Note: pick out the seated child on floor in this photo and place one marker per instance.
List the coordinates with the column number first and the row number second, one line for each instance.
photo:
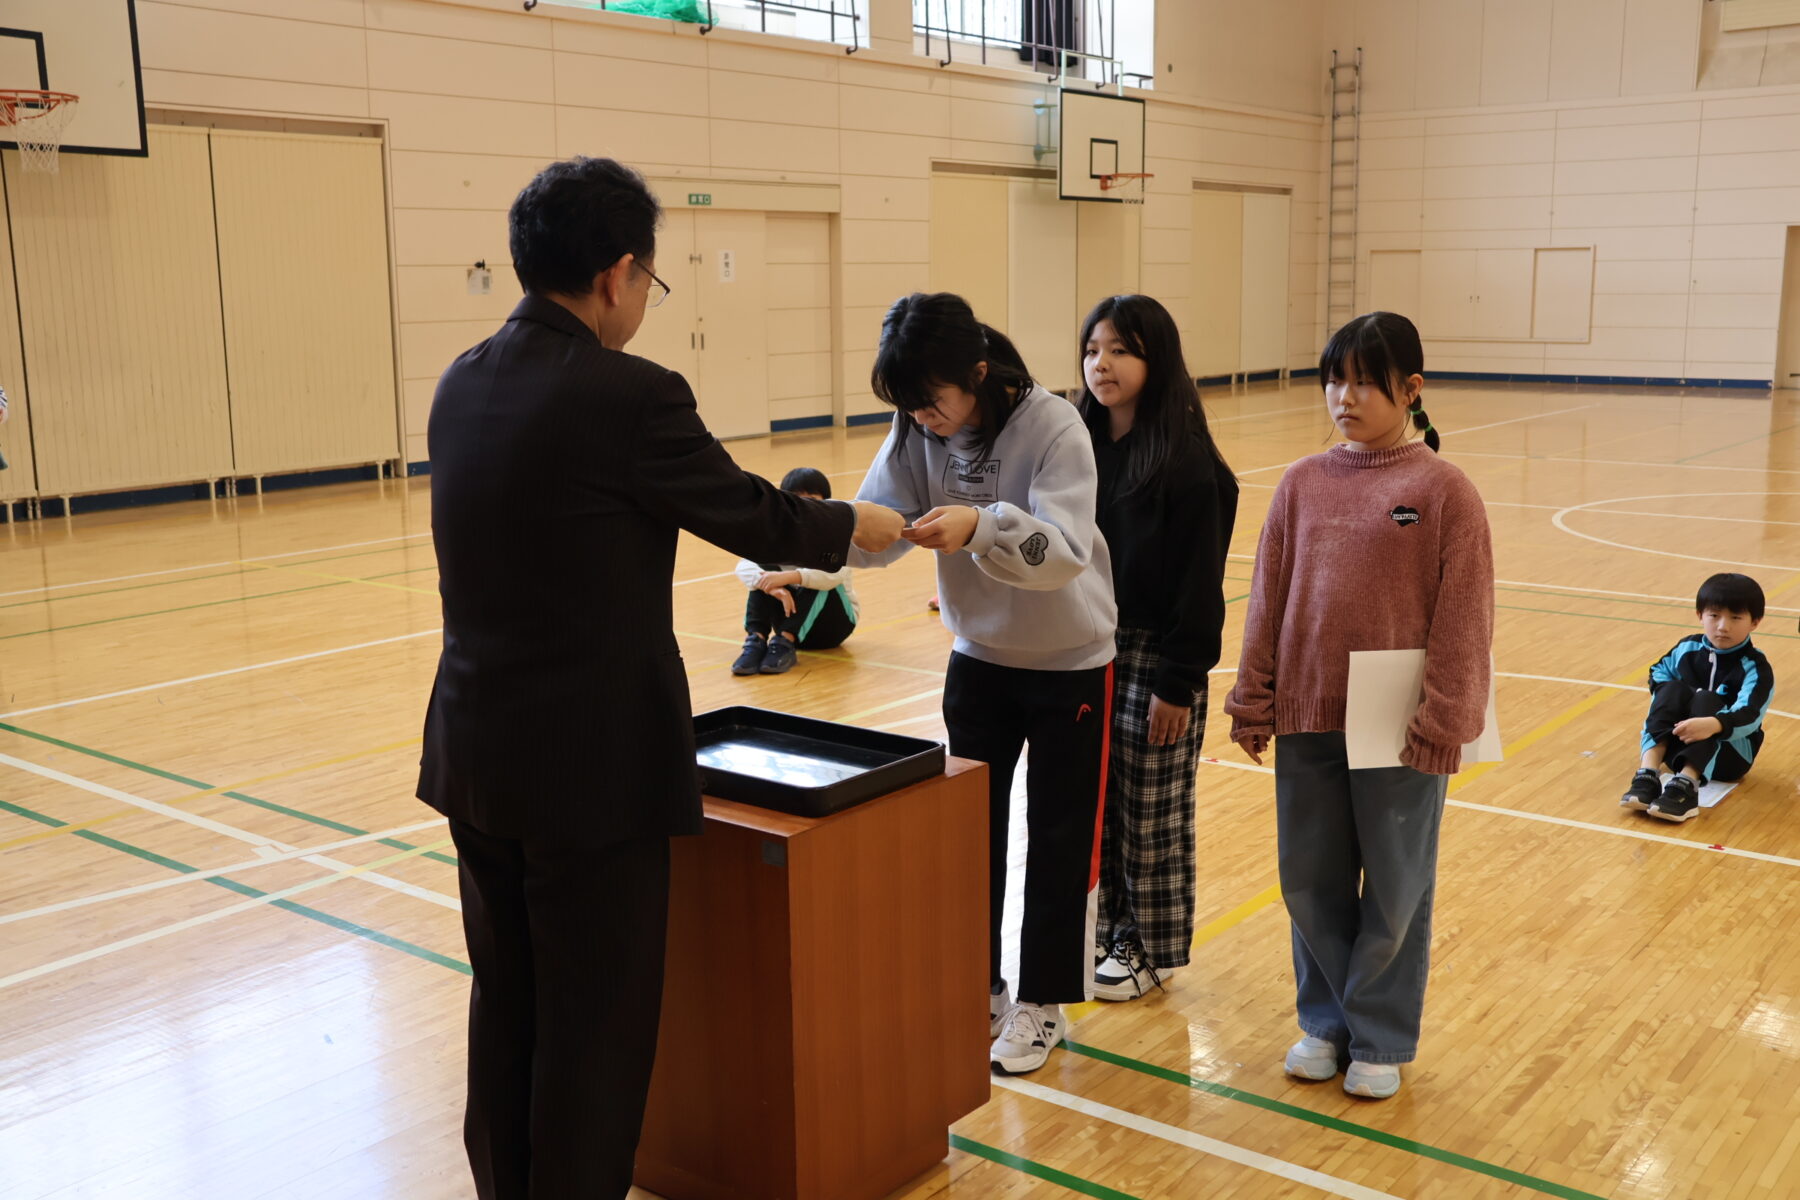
column 792, row 608
column 1708, row 697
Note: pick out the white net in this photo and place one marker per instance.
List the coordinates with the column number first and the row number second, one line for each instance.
column 36, row 122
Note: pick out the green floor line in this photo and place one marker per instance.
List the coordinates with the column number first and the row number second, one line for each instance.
column 1690, row 626
column 1734, row 445
column 1337, row 1124
column 311, row 587
column 242, row 797
column 1074, row 1183
column 240, row 573
column 244, row 889
column 163, row 612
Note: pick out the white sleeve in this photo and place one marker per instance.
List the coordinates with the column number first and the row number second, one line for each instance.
column 748, row 571
column 823, row 581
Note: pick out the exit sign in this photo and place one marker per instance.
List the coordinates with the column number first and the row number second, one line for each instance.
column 700, row 198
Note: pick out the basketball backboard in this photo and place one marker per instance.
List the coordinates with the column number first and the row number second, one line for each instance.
column 1099, row 135
column 88, row 47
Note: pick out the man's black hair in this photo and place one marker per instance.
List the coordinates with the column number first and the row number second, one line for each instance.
column 577, row 218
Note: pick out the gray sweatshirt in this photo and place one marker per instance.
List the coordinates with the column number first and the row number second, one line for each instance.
column 1033, row 588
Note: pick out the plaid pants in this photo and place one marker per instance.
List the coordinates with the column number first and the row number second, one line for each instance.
column 1147, row 837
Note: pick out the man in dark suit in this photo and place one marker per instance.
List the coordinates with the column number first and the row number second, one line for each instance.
column 558, row 738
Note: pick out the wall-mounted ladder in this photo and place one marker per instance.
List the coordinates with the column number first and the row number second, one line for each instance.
column 1340, row 196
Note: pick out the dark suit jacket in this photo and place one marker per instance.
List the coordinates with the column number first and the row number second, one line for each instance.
column 561, row 472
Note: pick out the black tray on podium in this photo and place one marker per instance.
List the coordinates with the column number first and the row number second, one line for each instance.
column 800, row 765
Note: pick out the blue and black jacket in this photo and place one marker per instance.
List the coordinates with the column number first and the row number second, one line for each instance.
column 1741, row 677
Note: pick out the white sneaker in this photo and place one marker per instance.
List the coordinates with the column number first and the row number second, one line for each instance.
column 999, row 1005
column 1312, row 1058
column 1373, row 1081
column 1125, row 975
column 1032, row 1031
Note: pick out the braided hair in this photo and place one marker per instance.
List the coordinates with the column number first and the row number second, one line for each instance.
column 1385, row 347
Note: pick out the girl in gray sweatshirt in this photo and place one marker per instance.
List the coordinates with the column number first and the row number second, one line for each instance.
column 997, row 474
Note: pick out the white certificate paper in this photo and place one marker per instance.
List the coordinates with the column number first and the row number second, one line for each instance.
column 1386, row 687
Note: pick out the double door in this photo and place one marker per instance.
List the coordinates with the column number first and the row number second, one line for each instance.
column 713, row 328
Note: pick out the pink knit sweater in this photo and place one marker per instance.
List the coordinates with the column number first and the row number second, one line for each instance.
column 1370, row 550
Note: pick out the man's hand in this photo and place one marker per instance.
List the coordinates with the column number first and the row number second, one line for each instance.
column 877, row 527
column 1255, row 745
column 1698, row 729
column 1167, row 722
column 947, row 528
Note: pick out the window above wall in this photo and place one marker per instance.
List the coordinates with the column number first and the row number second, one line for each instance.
column 1105, row 41
column 843, row 22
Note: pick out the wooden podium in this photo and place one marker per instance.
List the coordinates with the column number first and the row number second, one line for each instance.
column 824, row 1019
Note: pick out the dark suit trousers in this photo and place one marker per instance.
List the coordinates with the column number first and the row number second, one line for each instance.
column 567, row 945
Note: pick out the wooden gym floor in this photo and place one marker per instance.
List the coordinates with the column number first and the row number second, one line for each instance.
column 231, row 964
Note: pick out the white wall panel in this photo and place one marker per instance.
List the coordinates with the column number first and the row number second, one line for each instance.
column 308, row 326
column 1562, row 294
column 20, row 477
column 1662, row 47
column 1586, row 42
column 1041, row 315
column 1263, row 335
column 1515, row 52
column 119, row 282
column 1449, row 55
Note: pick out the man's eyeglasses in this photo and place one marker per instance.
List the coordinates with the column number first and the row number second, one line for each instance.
column 659, row 291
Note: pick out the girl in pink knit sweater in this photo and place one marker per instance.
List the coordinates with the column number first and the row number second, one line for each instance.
column 1376, row 544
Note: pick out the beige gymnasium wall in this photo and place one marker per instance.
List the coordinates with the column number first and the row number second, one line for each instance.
column 1633, row 126
column 477, row 94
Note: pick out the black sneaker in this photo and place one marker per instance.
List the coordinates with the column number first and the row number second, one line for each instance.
column 779, row 657
column 1680, row 800
column 1645, row 790
column 751, row 660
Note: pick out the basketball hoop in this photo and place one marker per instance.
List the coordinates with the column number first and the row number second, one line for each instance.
column 37, row 120
column 1118, row 179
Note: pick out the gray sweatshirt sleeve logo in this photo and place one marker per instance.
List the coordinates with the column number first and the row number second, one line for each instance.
column 1032, row 549
column 974, row 482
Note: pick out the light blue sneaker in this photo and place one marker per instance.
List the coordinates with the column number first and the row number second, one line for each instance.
column 1372, row 1081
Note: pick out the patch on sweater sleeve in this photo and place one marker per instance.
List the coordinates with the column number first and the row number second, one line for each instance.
column 1032, row 549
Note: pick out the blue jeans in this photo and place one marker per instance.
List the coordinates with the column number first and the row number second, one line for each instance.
column 1358, row 856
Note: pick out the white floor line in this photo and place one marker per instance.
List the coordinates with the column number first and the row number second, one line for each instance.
column 1563, row 587
column 1450, row 433
column 1274, row 412
column 1640, row 464
column 1566, row 822
column 1559, row 519
column 167, row 683
column 938, row 715
column 163, row 931
column 703, row 578
column 1566, row 587
column 56, row 587
column 235, row 868
column 222, row 829
column 881, row 708
column 1280, row 1168
column 1557, row 412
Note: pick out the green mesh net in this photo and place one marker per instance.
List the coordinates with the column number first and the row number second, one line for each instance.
column 691, row 11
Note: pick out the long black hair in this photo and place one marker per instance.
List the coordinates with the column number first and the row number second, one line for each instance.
column 1169, row 413
column 1385, row 348
column 933, row 340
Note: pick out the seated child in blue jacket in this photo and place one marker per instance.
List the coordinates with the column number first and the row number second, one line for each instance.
column 1708, row 697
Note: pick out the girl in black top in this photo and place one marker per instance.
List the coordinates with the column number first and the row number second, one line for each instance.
column 1167, row 503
